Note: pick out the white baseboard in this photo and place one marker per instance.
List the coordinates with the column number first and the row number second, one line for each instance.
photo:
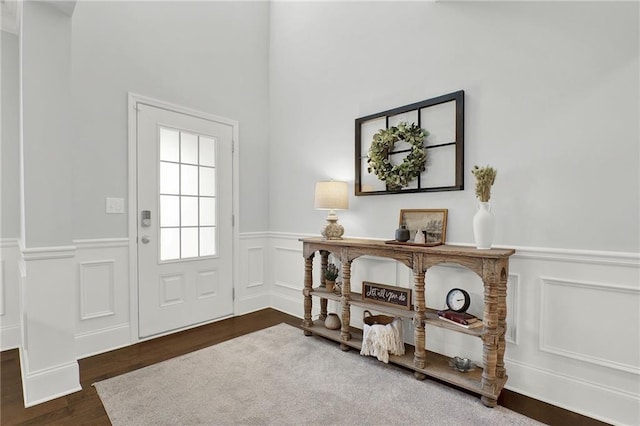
column 10, row 337
column 51, row 383
column 247, row 304
column 104, row 340
column 288, row 305
column 570, row 393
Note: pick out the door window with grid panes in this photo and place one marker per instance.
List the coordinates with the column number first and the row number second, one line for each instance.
column 187, row 195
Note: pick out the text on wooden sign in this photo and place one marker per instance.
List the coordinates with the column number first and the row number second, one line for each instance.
column 386, row 295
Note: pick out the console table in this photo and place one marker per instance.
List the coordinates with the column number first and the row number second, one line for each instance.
column 491, row 265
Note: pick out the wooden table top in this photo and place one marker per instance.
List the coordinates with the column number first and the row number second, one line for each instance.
column 445, row 249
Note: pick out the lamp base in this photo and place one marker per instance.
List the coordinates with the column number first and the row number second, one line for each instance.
column 332, row 231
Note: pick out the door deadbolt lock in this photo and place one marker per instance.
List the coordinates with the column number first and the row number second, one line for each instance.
column 145, row 239
column 146, row 218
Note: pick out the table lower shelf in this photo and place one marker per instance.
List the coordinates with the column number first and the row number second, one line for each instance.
column 437, row 365
column 431, row 315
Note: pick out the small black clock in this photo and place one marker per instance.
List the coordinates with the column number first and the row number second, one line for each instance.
column 458, row 300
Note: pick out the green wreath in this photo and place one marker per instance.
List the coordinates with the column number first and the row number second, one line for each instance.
column 399, row 176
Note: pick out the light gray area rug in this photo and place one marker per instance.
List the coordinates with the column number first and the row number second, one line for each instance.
column 278, row 376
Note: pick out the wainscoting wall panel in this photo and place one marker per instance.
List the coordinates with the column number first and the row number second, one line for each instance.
column 513, row 302
column 10, row 331
column 288, row 281
column 563, row 344
column 563, row 347
column 255, row 258
column 285, row 277
column 253, row 289
column 102, row 322
column 287, row 274
column 582, row 339
column 96, row 289
column 2, row 288
column 49, row 295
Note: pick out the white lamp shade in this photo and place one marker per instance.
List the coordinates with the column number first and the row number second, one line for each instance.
column 331, row 195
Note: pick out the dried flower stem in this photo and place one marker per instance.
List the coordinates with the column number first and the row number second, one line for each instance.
column 485, row 177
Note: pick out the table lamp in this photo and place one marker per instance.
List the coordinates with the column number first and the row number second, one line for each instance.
column 332, row 195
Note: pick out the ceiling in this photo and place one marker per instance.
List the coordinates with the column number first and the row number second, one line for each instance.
column 10, row 11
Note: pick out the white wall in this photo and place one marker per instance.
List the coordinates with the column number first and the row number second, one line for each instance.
column 208, row 56
column 551, row 102
column 46, row 138
column 9, row 190
column 10, row 145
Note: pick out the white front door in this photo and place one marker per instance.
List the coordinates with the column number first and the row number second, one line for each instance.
column 184, row 207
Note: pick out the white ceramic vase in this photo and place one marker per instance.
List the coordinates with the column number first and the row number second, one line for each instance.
column 483, row 225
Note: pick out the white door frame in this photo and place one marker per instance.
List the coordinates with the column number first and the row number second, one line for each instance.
column 134, row 99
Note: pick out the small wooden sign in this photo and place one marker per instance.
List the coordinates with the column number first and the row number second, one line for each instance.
column 397, row 297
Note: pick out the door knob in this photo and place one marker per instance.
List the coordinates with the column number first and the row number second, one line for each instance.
column 145, row 239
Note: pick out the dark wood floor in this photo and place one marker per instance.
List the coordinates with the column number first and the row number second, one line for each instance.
column 85, row 408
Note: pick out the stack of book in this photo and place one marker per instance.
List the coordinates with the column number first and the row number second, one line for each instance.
column 462, row 319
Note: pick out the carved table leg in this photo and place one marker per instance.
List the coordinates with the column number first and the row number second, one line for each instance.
column 489, row 402
column 491, row 334
column 323, row 309
column 420, row 356
column 501, row 372
column 324, row 261
column 308, row 288
column 345, row 333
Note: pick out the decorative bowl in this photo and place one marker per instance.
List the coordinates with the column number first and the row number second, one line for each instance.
column 462, row 364
column 332, row 322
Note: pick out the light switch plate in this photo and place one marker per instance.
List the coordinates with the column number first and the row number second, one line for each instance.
column 115, row 205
